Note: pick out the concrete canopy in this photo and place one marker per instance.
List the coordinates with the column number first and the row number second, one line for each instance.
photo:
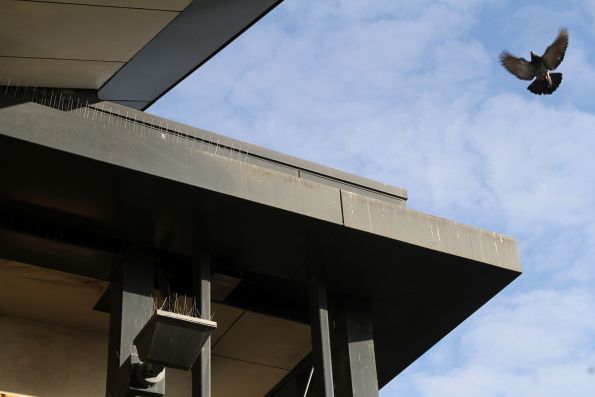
column 171, row 190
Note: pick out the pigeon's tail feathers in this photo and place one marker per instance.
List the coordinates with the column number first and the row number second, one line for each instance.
column 556, row 80
column 541, row 86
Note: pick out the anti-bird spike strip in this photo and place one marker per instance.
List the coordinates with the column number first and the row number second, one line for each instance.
column 103, row 114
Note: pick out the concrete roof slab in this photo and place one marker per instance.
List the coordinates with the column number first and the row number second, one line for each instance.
column 151, row 186
column 77, row 32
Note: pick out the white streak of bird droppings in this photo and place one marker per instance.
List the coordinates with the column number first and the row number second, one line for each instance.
column 369, row 214
column 481, row 245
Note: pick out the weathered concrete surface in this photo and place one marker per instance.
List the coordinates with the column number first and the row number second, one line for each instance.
column 158, row 154
column 413, row 227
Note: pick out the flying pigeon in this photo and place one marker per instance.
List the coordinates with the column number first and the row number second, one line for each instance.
column 540, row 66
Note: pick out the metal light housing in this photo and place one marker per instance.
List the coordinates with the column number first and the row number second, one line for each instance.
column 173, row 340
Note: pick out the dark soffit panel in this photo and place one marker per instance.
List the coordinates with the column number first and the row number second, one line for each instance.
column 191, row 39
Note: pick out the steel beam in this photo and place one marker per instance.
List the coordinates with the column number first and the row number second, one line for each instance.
column 322, row 382
column 201, row 285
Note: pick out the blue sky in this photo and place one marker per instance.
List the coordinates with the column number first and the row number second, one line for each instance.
column 411, row 93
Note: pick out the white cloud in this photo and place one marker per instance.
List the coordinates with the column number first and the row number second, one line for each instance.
column 567, row 379
column 537, row 159
column 535, row 329
column 531, row 345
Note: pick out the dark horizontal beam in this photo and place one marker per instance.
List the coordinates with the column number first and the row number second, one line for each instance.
column 58, row 255
column 199, row 32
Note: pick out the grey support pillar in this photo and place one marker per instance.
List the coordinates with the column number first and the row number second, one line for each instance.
column 131, row 305
column 201, row 285
column 353, row 348
column 322, row 379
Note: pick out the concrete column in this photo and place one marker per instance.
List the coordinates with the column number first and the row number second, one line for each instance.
column 353, row 349
column 131, row 305
column 322, row 379
column 201, row 285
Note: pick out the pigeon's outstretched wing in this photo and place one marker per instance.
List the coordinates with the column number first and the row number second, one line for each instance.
column 554, row 54
column 520, row 67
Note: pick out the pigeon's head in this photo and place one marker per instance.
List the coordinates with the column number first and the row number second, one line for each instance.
column 534, row 55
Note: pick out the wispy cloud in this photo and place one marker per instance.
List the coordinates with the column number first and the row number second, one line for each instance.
column 530, row 345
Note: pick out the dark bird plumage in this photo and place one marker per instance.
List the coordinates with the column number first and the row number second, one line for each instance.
column 539, row 67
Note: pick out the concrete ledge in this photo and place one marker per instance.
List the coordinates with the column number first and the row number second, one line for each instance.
column 266, row 157
column 399, row 223
column 217, row 168
column 162, row 155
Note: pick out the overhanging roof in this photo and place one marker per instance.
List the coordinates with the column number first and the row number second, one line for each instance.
column 132, row 51
column 156, row 184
